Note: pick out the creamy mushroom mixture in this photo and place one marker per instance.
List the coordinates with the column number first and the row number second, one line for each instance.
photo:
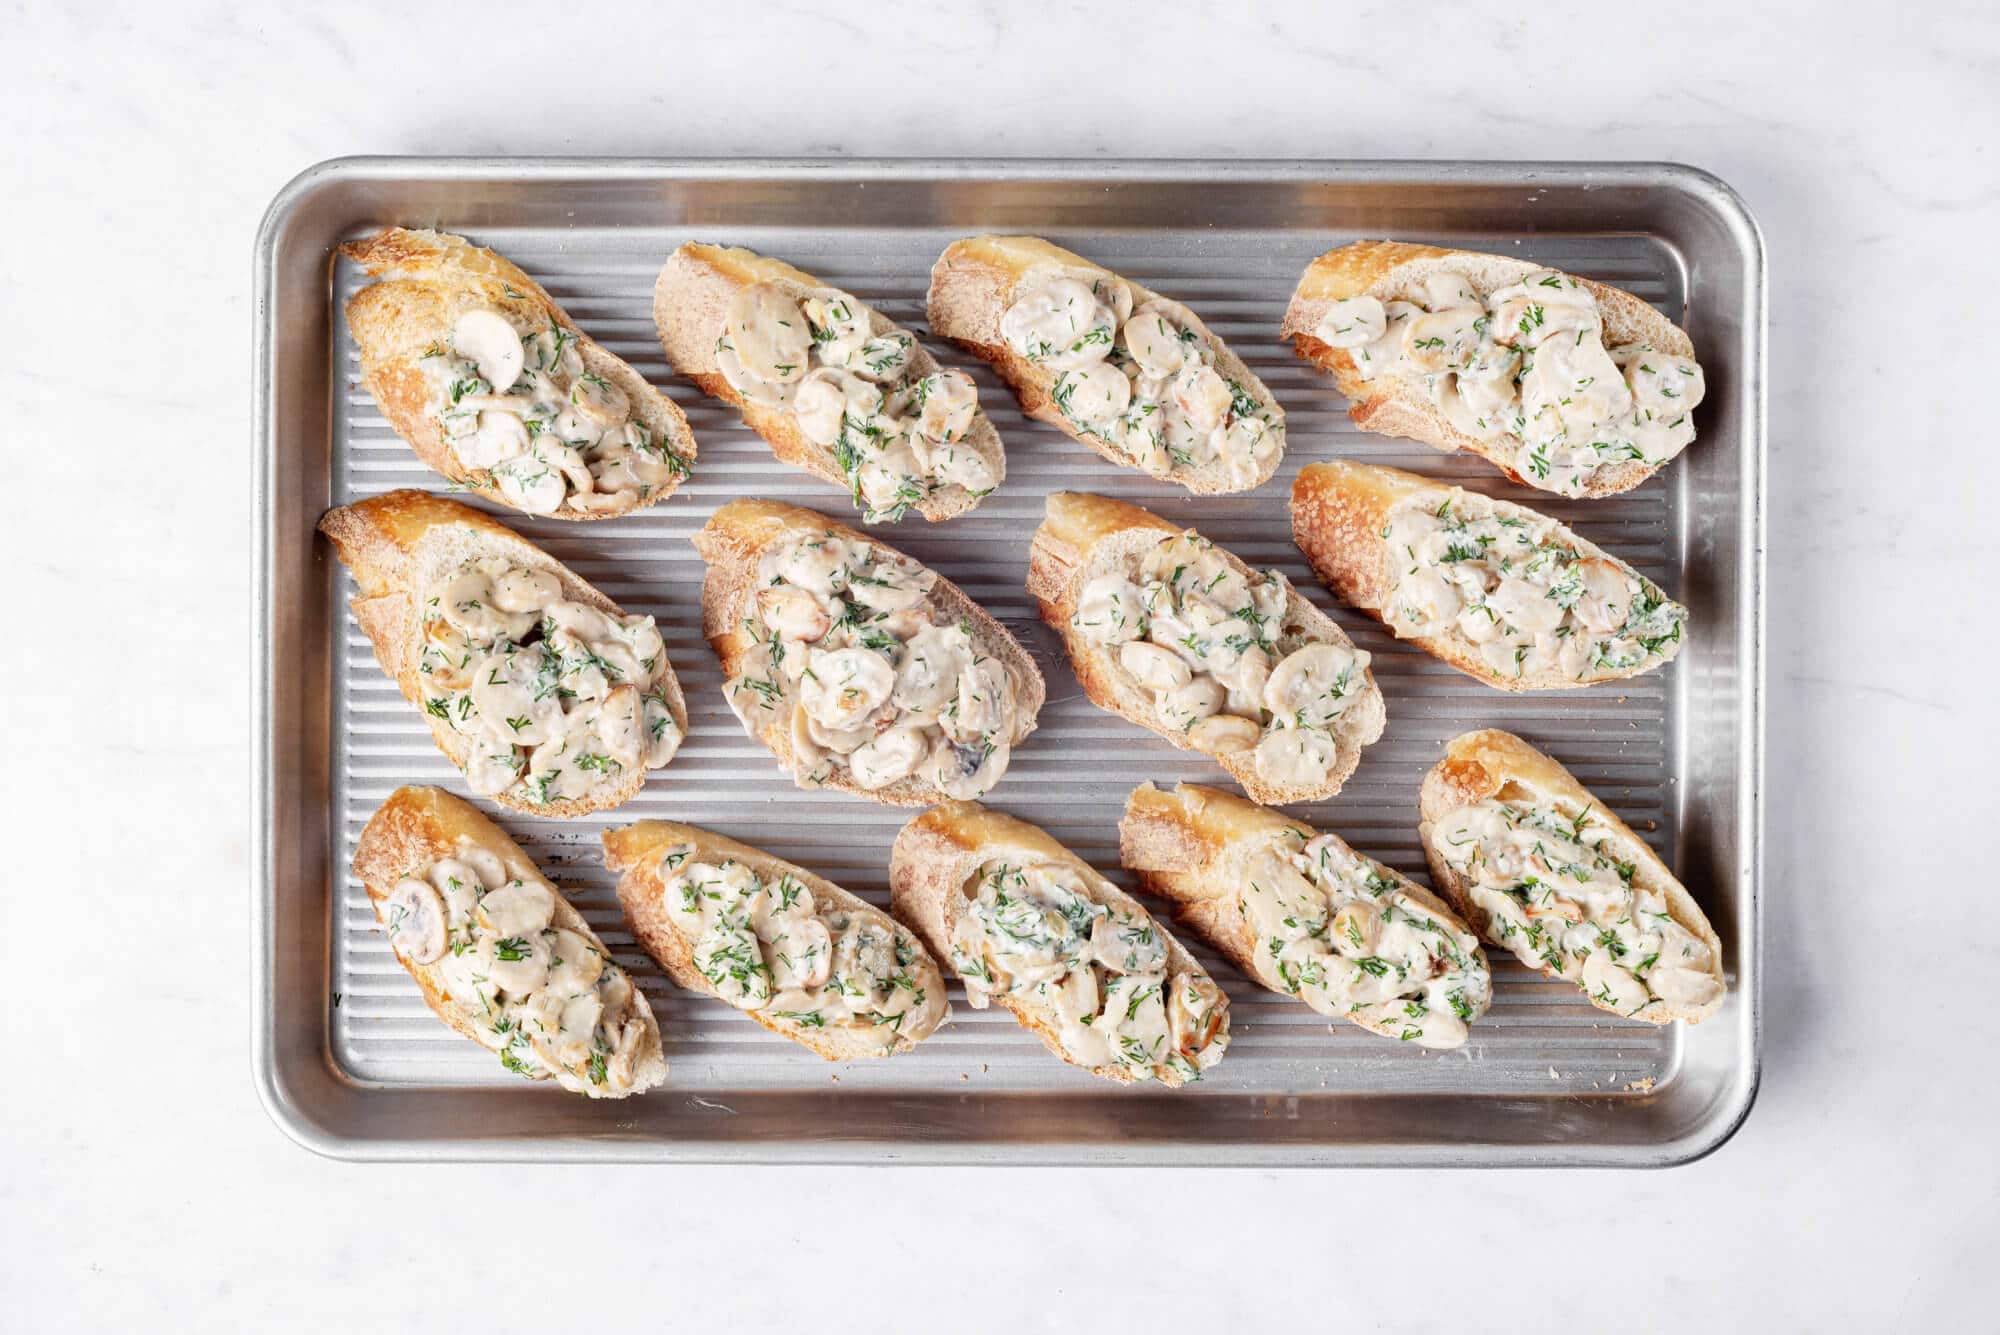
column 1526, row 363
column 518, row 407
column 1561, row 900
column 774, row 949
column 851, row 382
column 548, row 1000
column 868, row 675
column 1101, row 970
column 1144, row 380
column 1336, row 933
column 555, row 699
column 1221, row 659
column 1507, row 580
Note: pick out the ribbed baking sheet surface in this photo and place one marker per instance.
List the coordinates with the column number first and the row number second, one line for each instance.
column 1073, row 774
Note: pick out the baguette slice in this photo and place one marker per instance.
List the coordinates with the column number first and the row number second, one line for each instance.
column 1494, row 765
column 428, row 280
column 691, row 299
column 1340, row 513
column 933, row 866
column 638, row 851
column 1395, row 406
column 733, row 542
column 398, row 546
column 977, row 279
column 1084, row 536
column 1200, row 848
column 405, row 838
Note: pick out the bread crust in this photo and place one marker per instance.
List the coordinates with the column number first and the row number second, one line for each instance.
column 1339, row 511
column 635, row 851
column 972, row 285
column 938, row 852
column 1392, row 406
column 1082, row 536
column 427, row 280
column 1493, row 764
column 1193, row 846
column 690, row 300
column 732, row 543
column 417, row 826
column 397, row 545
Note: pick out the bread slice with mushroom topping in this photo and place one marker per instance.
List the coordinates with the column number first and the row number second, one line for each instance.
column 1028, row 925
column 1184, row 639
column 1539, row 866
column 1499, row 591
column 801, row 956
column 494, row 386
column 859, row 668
column 831, row 383
column 1306, row 915
column 548, row 698
column 501, row 956
column 1132, row 374
column 1564, row 384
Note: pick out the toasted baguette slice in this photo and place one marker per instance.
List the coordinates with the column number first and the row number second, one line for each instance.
column 976, row 280
column 640, row 852
column 1205, row 850
column 734, row 541
column 440, row 943
column 398, row 546
column 1082, row 537
column 690, row 302
column 934, row 870
column 1396, row 406
column 1340, row 519
column 1498, row 766
column 429, row 279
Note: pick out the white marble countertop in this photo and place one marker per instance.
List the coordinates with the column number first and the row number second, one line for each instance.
column 154, row 1194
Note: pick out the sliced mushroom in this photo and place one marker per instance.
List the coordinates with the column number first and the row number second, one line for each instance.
column 1606, row 602
column 492, row 768
column 827, row 397
column 1153, row 666
column 804, row 953
column 520, row 962
column 733, row 963
column 519, row 908
column 883, row 359
column 414, row 915
column 1314, row 685
column 517, row 589
column 485, row 338
column 983, row 702
column 1203, row 396
column 840, row 325
column 950, row 402
column 1193, row 702
column 599, row 401
column 620, row 727
column 1060, row 323
column 792, row 612
column 1611, row 984
column 1153, row 339
column 1295, row 757
column 1444, row 340
column 528, row 483
column 1098, row 392
column 1224, row 734
column 885, row 759
column 1352, row 322
column 1356, row 927
column 768, row 333
column 498, row 438
column 1528, row 607
column 966, row 771
column 1196, row 1011
column 844, row 686
column 576, row 965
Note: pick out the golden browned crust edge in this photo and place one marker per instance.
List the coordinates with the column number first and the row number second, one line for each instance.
column 1490, row 763
column 425, row 276
column 413, row 829
column 733, row 541
column 387, row 542
column 633, row 850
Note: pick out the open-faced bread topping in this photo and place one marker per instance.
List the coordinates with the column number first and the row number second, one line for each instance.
column 550, row 1001
column 1560, row 899
column 1143, row 379
column 1221, row 659
column 773, row 947
column 1507, row 579
column 516, row 403
column 1525, row 363
column 556, row 699
column 869, row 674
column 1101, row 970
column 852, row 384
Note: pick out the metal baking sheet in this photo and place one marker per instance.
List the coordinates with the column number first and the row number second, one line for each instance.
column 351, row 1063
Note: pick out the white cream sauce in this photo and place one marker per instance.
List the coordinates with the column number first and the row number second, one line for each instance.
column 1508, row 581
column 1143, row 381
column 550, row 1001
column 897, row 435
column 1527, row 364
column 1213, row 648
column 1335, row 931
column 1100, row 970
column 868, row 675
column 555, row 699
column 1560, row 900
column 773, row 948
column 517, row 407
